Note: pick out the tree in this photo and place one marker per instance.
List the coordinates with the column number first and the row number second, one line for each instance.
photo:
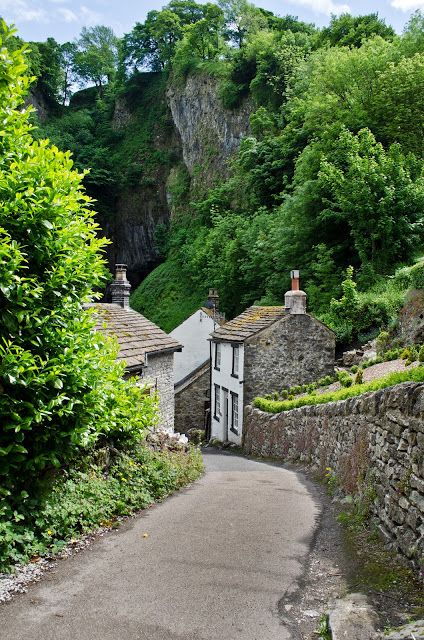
column 68, row 52
column 61, row 391
column 241, row 18
column 351, row 31
column 47, row 66
column 96, row 57
column 379, row 194
column 151, row 44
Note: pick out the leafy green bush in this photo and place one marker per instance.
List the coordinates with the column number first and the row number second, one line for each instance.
column 61, row 389
column 89, row 496
column 344, row 378
column 412, row 375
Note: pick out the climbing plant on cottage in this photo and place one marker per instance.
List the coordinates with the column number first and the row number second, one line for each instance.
column 61, row 390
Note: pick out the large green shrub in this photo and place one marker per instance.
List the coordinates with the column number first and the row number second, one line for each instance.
column 60, row 388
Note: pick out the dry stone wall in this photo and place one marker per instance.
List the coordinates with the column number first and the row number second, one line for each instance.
column 376, row 439
column 190, row 401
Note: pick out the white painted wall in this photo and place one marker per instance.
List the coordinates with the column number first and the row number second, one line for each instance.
column 193, row 333
column 225, row 380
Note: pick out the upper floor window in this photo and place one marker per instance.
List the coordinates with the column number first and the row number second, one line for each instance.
column 217, row 355
column 236, row 352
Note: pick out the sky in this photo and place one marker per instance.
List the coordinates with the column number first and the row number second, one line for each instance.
column 64, row 19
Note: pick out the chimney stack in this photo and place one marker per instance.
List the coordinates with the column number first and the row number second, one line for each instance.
column 213, row 299
column 295, row 280
column 295, row 300
column 120, row 287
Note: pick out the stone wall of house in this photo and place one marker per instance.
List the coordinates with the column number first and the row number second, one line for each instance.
column 190, row 401
column 378, row 436
column 160, row 375
column 295, row 350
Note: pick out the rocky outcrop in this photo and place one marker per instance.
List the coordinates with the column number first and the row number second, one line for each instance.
column 377, row 436
column 411, row 318
column 209, row 133
column 36, row 99
column 140, row 207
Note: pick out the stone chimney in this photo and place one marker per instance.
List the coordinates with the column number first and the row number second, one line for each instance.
column 295, row 300
column 120, row 287
column 213, row 299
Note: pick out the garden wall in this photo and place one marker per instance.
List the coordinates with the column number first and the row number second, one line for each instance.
column 375, row 439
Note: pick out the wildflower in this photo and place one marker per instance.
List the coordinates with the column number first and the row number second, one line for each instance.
column 49, row 532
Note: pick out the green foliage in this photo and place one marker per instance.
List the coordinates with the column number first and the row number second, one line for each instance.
column 330, row 177
column 89, row 496
column 273, row 406
column 421, row 354
column 350, row 31
column 359, row 377
column 324, row 631
column 344, row 378
column 382, row 342
column 379, row 194
column 61, row 390
column 166, row 297
column 96, row 55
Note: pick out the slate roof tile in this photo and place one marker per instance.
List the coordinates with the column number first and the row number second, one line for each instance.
column 135, row 334
column 248, row 323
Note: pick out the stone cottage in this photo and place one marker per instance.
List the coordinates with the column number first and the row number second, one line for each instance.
column 148, row 352
column 262, row 350
column 192, row 365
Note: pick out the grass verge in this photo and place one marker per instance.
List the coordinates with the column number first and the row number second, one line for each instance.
column 277, row 406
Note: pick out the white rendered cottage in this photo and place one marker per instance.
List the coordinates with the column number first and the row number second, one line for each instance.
column 146, row 350
column 192, row 364
column 265, row 349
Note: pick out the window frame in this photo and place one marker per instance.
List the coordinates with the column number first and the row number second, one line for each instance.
column 234, row 372
column 217, row 402
column 217, row 364
column 235, row 404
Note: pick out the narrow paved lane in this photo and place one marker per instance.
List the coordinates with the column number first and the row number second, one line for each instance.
column 218, row 559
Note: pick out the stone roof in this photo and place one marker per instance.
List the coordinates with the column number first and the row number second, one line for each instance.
column 135, row 334
column 248, row 323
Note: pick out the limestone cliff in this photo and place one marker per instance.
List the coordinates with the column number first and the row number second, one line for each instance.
column 192, row 128
column 161, row 146
column 143, row 204
column 209, row 133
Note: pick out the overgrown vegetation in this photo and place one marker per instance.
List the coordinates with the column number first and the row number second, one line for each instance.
column 348, row 391
column 330, row 177
column 62, row 394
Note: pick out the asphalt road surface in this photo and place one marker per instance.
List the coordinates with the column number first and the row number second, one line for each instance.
column 219, row 560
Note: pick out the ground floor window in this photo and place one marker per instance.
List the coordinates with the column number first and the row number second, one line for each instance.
column 234, row 412
column 217, row 402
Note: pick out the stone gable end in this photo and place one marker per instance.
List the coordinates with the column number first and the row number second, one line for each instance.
column 297, row 349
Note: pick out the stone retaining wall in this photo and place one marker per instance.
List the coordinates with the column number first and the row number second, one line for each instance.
column 378, row 436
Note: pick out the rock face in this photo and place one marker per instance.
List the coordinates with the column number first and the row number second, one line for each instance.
column 378, row 435
column 209, row 133
column 132, row 229
column 139, row 208
column 411, row 318
column 36, row 99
